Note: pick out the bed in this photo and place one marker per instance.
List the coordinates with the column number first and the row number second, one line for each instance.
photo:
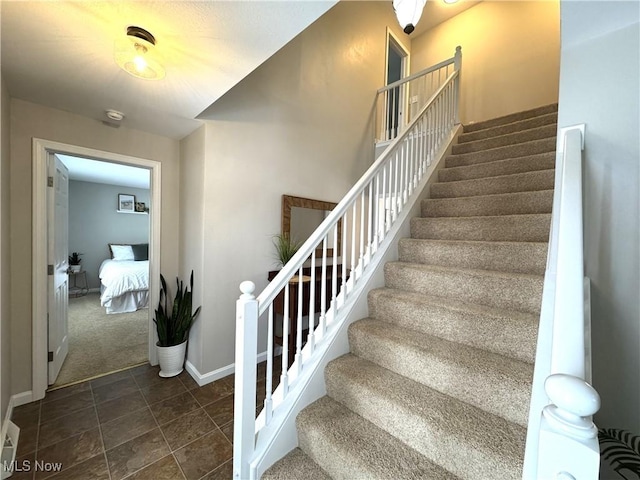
column 124, row 278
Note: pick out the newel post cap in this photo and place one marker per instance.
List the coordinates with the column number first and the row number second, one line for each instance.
column 572, row 394
column 573, row 401
column 247, row 288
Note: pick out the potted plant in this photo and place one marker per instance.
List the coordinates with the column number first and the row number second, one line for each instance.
column 285, row 248
column 173, row 325
column 74, row 262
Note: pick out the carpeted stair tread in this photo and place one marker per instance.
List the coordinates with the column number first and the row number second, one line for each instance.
column 296, row 464
column 438, row 381
column 465, row 440
column 541, row 161
column 491, row 382
column 513, row 138
column 505, row 332
column 517, row 291
column 349, row 447
column 511, row 118
column 514, row 257
column 516, row 182
column 515, row 228
column 532, row 147
column 485, row 205
column 508, row 128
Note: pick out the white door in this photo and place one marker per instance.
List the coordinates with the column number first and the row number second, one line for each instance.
column 58, row 263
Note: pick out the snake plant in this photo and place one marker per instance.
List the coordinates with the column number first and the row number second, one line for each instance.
column 173, row 324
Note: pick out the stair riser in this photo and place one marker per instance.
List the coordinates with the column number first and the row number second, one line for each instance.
column 419, row 423
column 495, row 390
column 511, row 257
column 539, row 133
column 513, row 228
column 530, row 123
column 544, row 161
column 517, row 292
column 332, row 458
column 504, row 204
column 512, row 151
column 522, row 182
column 473, row 326
column 295, row 465
column 514, row 117
column 347, row 446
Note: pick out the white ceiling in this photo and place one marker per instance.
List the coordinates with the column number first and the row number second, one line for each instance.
column 60, row 54
column 86, row 170
column 437, row 11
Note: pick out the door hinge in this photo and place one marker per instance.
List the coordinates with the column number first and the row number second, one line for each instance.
column 49, row 181
column 50, row 269
column 50, row 357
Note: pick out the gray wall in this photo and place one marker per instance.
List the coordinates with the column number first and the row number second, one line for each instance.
column 300, row 124
column 29, row 120
column 94, row 223
column 5, row 280
column 599, row 85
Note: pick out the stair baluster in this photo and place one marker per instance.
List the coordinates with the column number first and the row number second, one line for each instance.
column 392, row 181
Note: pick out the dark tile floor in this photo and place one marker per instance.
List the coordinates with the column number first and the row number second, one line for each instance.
column 131, row 424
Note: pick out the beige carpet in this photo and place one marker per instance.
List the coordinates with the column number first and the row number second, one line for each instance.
column 101, row 343
column 437, row 382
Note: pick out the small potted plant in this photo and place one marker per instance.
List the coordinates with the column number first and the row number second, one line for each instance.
column 74, row 262
column 285, row 248
column 173, row 325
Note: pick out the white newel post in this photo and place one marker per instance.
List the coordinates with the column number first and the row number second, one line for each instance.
column 245, row 380
column 457, row 65
column 568, row 437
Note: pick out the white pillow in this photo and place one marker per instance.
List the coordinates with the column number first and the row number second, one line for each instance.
column 122, row 252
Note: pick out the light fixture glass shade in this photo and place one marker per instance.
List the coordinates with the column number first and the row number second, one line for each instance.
column 408, row 13
column 138, row 57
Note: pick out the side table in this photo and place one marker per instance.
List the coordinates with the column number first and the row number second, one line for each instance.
column 79, row 286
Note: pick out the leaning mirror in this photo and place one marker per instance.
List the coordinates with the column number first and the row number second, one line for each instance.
column 301, row 216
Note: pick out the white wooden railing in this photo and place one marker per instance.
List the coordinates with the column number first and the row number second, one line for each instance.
column 330, row 266
column 562, row 440
column 398, row 103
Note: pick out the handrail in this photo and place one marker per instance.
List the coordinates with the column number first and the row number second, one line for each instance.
column 561, row 437
column 398, row 103
column 421, row 73
column 366, row 215
column 309, row 246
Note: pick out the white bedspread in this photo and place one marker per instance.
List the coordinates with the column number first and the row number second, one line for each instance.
column 121, row 277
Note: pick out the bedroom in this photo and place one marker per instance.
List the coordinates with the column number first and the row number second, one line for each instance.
column 108, row 311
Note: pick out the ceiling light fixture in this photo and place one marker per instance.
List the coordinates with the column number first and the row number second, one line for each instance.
column 137, row 54
column 408, row 13
column 450, row 1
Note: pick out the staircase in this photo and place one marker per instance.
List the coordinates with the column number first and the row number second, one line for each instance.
column 438, row 380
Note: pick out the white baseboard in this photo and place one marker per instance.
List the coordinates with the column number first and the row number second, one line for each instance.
column 14, row 401
column 209, row 377
column 22, row 398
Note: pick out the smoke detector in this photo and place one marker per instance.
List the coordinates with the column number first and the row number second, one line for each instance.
column 114, row 115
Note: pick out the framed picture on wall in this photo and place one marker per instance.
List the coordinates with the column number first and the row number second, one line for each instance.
column 126, row 203
column 141, row 207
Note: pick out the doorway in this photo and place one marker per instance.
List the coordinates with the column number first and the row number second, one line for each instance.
column 108, row 301
column 397, row 67
column 43, row 150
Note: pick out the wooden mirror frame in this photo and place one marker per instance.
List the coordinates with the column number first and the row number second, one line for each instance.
column 289, row 201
